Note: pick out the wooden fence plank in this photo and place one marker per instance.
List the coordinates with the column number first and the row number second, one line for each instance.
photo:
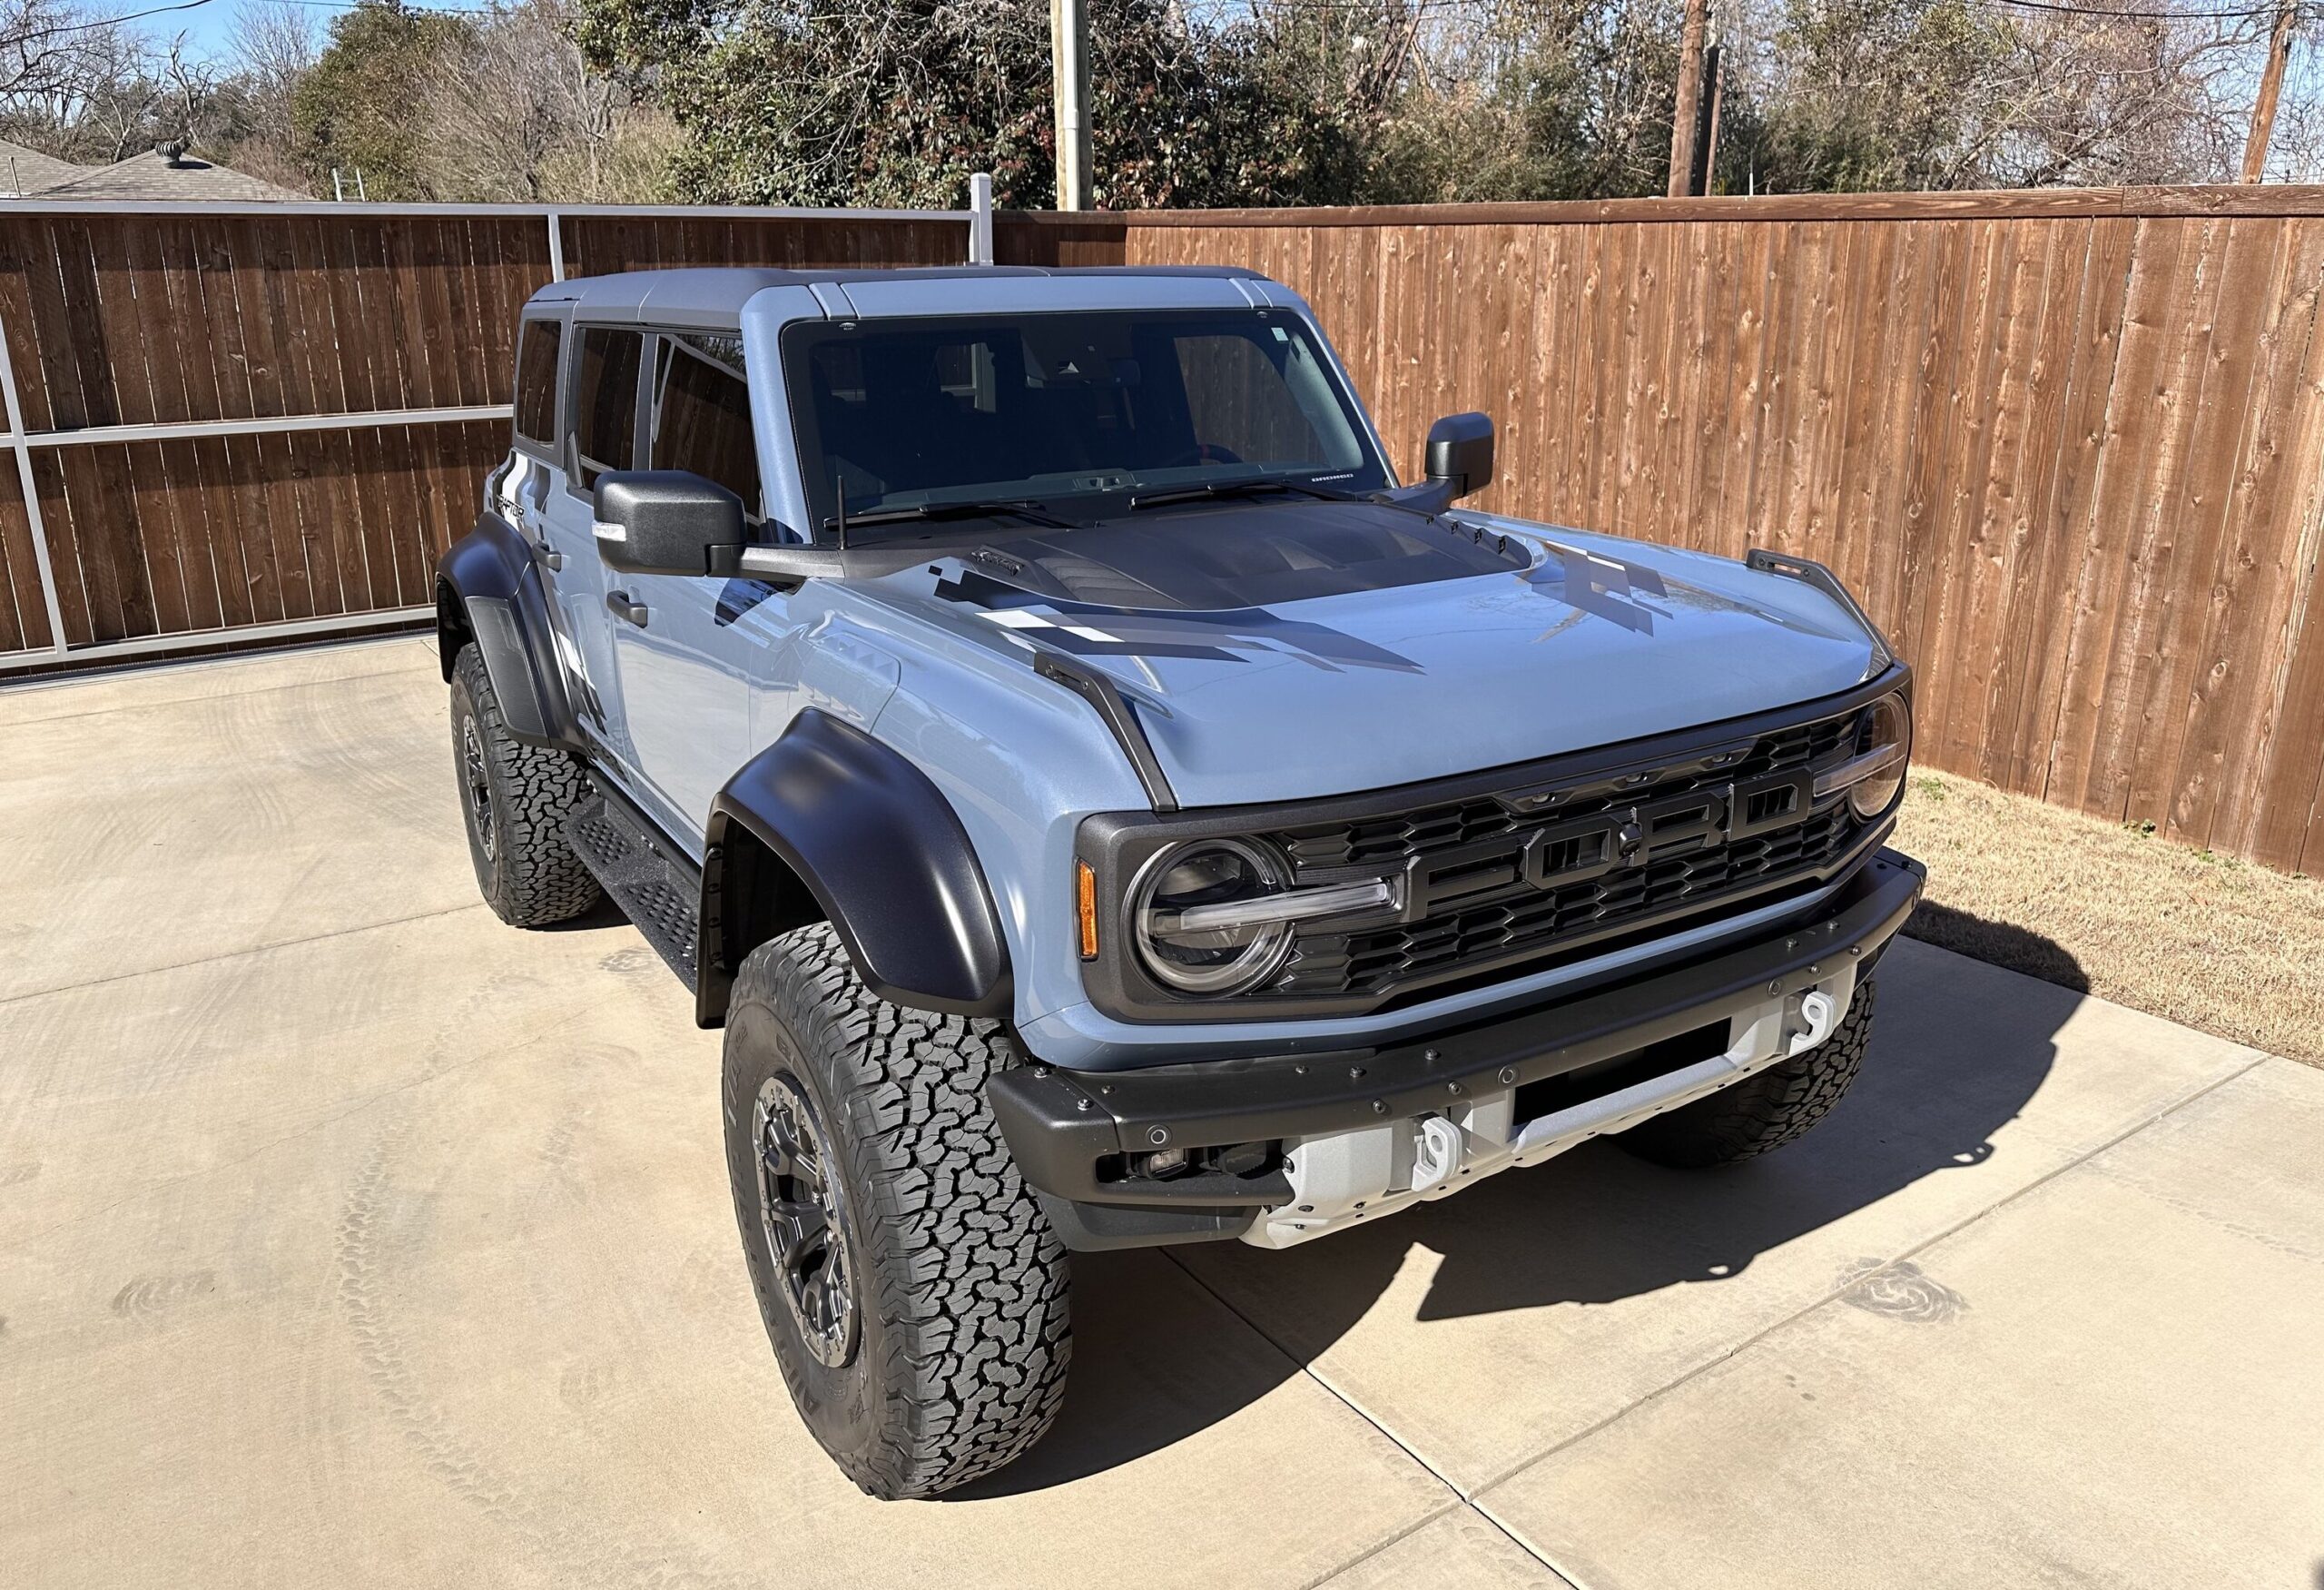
column 24, row 614
column 2136, row 404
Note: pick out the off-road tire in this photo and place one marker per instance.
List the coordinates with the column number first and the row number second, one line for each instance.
column 961, row 1286
column 526, row 869
column 1763, row 1111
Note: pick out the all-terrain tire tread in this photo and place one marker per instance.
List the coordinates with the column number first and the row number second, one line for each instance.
column 538, row 879
column 963, row 1265
column 1765, row 1112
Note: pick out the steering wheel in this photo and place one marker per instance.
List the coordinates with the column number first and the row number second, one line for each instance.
column 1207, row 452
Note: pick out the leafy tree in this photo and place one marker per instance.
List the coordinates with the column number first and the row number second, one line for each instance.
column 865, row 102
column 1539, row 99
column 1882, row 94
column 354, row 110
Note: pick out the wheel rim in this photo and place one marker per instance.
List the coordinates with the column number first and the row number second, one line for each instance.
column 800, row 1211
column 475, row 775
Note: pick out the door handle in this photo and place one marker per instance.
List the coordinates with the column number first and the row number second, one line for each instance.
column 548, row 557
column 619, row 602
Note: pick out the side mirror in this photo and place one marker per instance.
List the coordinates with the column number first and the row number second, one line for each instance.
column 1459, row 454
column 667, row 521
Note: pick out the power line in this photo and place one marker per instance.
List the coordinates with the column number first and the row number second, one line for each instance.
column 2063, row 10
column 49, row 33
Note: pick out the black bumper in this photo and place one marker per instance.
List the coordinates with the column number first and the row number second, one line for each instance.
column 1071, row 1132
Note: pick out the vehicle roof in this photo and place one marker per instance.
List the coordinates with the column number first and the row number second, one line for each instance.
column 723, row 290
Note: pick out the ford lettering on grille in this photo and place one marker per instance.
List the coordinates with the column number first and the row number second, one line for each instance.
column 1604, row 841
column 1492, row 879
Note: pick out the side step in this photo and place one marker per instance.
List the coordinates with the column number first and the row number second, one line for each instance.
column 655, row 887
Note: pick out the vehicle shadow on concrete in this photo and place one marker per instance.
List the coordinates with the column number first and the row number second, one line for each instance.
column 1957, row 1051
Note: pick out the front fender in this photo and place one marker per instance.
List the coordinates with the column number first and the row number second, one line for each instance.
column 488, row 591
column 877, row 851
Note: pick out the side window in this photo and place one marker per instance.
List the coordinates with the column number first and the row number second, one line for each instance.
column 701, row 414
column 536, row 349
column 604, row 400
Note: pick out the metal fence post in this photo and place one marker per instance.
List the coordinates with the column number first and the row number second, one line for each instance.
column 555, row 247
column 981, row 218
column 18, row 445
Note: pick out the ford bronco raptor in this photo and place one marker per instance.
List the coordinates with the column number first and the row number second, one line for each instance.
column 1103, row 806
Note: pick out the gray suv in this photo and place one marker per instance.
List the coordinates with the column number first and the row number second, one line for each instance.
column 1103, row 806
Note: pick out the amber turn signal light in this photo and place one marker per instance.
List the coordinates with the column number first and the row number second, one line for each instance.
column 1085, row 889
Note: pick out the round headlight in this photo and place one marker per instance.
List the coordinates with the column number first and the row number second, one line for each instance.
column 1887, row 727
column 1184, row 938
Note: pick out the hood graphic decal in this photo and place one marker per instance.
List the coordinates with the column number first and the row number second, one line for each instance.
column 1230, row 635
column 1606, row 588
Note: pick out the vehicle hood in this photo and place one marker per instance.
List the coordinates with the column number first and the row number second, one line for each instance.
column 1281, row 649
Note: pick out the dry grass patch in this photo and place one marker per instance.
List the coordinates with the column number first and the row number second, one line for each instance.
column 2217, row 943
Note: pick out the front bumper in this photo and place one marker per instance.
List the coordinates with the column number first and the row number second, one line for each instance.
column 1350, row 1134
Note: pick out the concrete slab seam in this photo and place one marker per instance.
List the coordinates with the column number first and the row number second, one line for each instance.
column 236, row 955
column 1459, row 1501
column 2260, row 1058
column 186, row 703
column 104, row 675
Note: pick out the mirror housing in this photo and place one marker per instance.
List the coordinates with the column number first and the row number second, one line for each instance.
column 1459, row 461
column 1459, row 454
column 667, row 521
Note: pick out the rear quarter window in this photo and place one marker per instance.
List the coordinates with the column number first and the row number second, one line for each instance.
column 604, row 400
column 538, row 344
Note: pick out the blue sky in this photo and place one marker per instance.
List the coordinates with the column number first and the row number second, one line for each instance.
column 209, row 25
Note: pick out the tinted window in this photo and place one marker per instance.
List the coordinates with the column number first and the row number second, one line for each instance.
column 606, row 401
column 701, row 415
column 536, row 346
column 1242, row 405
column 1044, row 406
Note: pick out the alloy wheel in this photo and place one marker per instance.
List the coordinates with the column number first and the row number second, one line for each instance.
column 475, row 775
column 802, row 1213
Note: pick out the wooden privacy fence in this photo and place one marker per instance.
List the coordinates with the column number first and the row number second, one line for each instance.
column 2068, row 446
column 268, row 419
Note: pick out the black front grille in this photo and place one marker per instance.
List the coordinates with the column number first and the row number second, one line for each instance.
column 1516, row 920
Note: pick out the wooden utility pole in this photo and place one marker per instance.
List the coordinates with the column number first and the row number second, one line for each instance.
column 1685, row 118
column 1069, row 86
column 2271, row 82
column 1706, row 157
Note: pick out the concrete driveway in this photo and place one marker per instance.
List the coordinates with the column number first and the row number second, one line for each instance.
column 350, row 1238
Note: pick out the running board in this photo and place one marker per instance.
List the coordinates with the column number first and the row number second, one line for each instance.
column 653, row 883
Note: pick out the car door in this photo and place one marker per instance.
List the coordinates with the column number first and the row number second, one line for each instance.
column 688, row 647
column 603, row 377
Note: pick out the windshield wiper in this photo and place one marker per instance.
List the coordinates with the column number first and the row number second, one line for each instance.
column 1242, row 486
column 948, row 510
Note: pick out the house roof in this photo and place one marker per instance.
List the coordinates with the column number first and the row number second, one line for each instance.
column 151, row 175
column 28, row 171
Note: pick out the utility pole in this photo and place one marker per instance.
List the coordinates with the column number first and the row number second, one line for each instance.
column 1069, row 80
column 1706, row 150
column 1685, row 117
column 2271, row 82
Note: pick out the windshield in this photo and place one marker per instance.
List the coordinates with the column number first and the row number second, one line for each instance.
column 1036, row 407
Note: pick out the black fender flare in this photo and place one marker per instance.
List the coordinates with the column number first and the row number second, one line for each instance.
column 488, row 590
column 827, row 823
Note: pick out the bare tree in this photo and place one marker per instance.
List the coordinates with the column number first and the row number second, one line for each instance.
column 43, row 44
column 516, row 115
column 275, row 43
